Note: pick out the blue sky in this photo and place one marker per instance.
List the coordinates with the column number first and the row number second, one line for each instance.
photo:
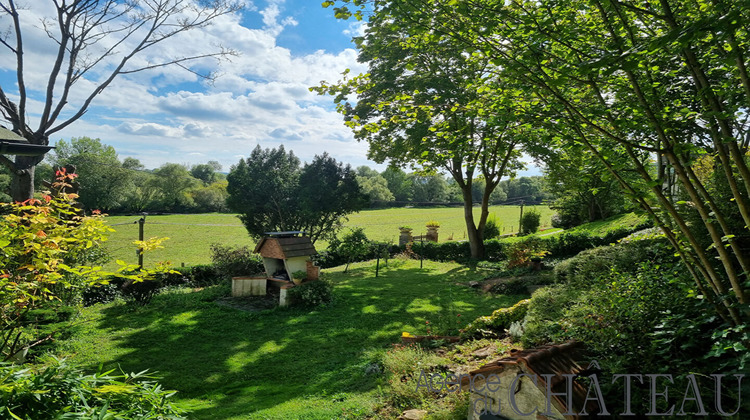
column 261, row 97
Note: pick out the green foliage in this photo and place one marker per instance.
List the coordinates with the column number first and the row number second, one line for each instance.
column 174, row 184
column 521, row 253
column 271, row 192
column 353, row 246
column 636, row 309
column 530, row 221
column 584, row 190
column 591, row 263
column 42, row 244
column 102, row 179
column 59, row 390
column 529, row 189
column 210, row 198
column 403, row 366
column 491, row 228
column 376, row 188
column 498, row 322
column 435, row 118
column 231, row 261
column 312, row 293
column 516, row 286
column 206, row 172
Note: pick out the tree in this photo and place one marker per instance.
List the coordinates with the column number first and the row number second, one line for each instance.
column 668, row 81
column 211, row 198
column 365, row 171
column 422, row 102
column 398, row 183
column 376, row 188
column 103, row 180
column 272, row 193
column 584, row 189
column 428, row 188
column 206, row 172
column 95, row 41
column 144, row 192
column 328, row 191
column 132, row 164
column 174, row 183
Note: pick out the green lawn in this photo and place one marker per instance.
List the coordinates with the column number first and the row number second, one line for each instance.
column 192, row 234
column 281, row 363
column 602, row 227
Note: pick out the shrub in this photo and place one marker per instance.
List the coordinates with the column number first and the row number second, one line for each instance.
column 511, row 287
column 312, row 293
column 498, row 322
column 235, row 261
column 634, row 307
column 543, row 322
column 491, row 228
column 521, row 253
column 59, row 390
column 530, row 221
column 354, row 246
column 203, row 275
column 592, row 263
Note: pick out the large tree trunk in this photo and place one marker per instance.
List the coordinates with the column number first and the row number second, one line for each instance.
column 476, row 240
column 22, row 178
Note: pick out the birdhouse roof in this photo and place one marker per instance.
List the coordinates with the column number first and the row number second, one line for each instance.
column 285, row 247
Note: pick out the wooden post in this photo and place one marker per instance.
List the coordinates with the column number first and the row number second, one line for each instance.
column 141, row 222
column 421, row 250
column 520, row 220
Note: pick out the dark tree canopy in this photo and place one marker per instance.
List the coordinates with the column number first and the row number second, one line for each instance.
column 273, row 193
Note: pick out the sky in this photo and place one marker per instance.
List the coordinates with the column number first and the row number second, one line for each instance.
column 261, row 96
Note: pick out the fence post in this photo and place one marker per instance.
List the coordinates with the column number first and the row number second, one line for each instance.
column 141, row 222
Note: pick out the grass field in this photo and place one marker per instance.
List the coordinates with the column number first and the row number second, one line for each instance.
column 280, row 363
column 192, row 234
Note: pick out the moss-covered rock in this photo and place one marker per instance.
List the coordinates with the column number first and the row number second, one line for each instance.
column 498, row 322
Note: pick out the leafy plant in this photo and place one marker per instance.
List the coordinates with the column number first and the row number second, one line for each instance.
column 58, row 390
column 491, row 227
column 312, row 293
column 235, row 261
column 520, row 254
column 43, row 244
column 353, row 245
column 530, row 221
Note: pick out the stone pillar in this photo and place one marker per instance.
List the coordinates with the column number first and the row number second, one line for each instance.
column 405, row 236
column 432, row 233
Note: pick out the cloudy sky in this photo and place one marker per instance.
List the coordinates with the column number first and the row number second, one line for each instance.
column 260, row 97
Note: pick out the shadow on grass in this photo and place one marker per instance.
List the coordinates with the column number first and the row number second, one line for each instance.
column 237, row 362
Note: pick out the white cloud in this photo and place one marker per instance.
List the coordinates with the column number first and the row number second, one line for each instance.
column 170, row 115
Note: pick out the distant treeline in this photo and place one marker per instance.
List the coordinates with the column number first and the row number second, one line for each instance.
column 112, row 185
column 393, row 188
